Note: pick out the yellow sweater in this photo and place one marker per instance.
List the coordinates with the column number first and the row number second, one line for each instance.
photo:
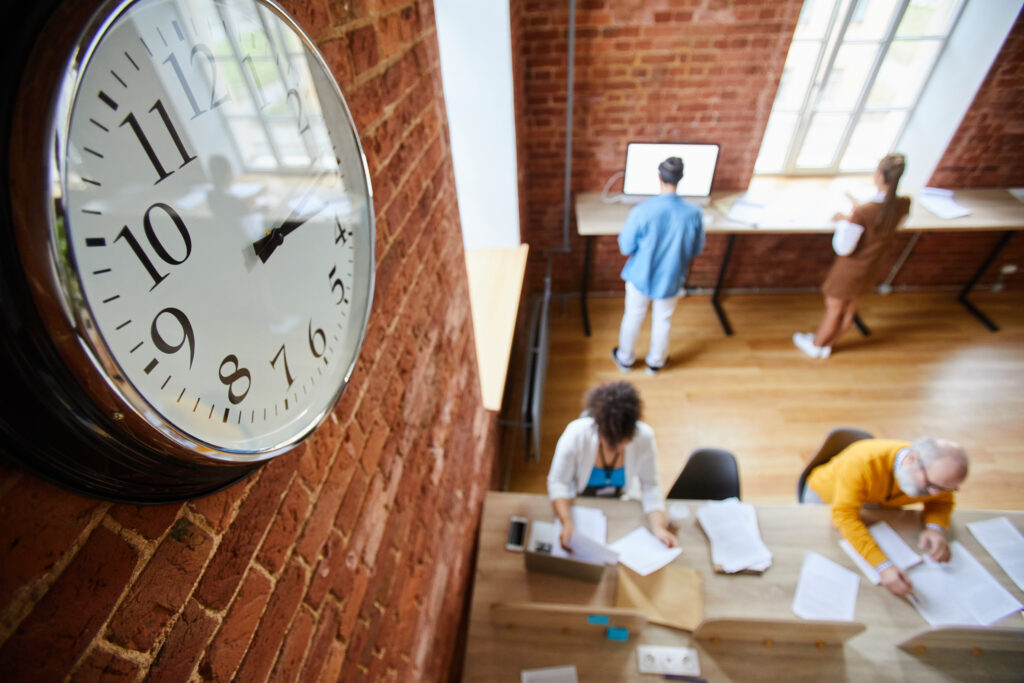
column 863, row 473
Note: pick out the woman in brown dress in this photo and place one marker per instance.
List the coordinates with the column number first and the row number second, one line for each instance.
column 862, row 241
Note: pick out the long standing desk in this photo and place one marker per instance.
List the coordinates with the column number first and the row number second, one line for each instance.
column 814, row 203
column 497, row 652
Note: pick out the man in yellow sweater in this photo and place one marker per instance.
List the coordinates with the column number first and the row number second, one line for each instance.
column 891, row 474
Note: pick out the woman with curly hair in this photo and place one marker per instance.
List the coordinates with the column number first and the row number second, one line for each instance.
column 861, row 242
column 608, row 452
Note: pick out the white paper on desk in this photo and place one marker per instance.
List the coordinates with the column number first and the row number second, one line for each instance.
column 641, row 551
column 826, row 590
column 1004, row 543
column 861, row 563
column 550, row 674
column 894, row 547
column 1017, row 192
column 588, row 522
column 941, row 202
column 747, row 210
column 731, row 527
column 960, row 591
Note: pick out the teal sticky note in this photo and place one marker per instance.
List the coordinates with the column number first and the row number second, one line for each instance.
column 617, row 633
column 598, row 619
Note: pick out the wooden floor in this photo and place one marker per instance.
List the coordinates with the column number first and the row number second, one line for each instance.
column 929, row 367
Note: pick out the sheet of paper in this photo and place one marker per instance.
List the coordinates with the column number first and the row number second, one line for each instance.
column 747, row 210
column 861, row 563
column 589, row 522
column 641, row 551
column 550, row 674
column 894, row 547
column 826, row 590
column 661, row 659
column 731, row 527
column 941, row 203
column 960, row 591
column 1018, row 192
column 1004, row 543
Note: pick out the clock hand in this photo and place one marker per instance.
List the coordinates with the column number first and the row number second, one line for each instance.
column 266, row 245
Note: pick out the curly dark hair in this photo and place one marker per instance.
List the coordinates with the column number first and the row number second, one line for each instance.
column 615, row 407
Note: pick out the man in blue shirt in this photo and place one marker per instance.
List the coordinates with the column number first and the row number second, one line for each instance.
column 661, row 237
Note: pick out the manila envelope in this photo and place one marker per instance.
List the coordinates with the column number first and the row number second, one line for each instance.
column 672, row 596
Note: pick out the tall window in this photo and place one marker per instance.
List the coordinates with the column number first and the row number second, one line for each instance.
column 853, row 76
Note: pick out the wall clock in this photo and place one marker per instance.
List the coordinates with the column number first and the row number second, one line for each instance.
column 191, row 246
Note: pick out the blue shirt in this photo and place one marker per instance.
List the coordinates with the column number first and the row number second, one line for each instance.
column 660, row 237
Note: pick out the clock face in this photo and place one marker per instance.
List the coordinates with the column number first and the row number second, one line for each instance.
column 215, row 237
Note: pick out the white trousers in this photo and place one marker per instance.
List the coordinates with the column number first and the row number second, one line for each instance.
column 633, row 318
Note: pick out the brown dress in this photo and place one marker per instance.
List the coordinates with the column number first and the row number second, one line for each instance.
column 853, row 276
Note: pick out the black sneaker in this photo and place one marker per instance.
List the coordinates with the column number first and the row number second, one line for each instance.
column 652, row 371
column 619, row 364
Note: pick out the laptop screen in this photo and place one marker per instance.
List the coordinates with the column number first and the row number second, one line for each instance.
column 642, row 159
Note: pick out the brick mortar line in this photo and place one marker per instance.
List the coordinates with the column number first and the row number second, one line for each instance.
column 22, row 602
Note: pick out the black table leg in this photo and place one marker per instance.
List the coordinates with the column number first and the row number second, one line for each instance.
column 585, row 284
column 860, row 325
column 726, row 327
column 977, row 276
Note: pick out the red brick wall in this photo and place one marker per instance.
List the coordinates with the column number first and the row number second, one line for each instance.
column 685, row 70
column 988, row 148
column 707, row 71
column 347, row 558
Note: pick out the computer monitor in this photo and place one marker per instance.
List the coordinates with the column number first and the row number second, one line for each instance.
column 642, row 159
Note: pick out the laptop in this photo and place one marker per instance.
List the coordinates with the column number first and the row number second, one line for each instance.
column 539, row 557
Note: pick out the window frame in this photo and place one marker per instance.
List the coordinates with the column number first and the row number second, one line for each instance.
column 832, row 42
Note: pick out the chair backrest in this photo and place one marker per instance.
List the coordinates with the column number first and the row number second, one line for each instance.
column 709, row 474
column 838, row 439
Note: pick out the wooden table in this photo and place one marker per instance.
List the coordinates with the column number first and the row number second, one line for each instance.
column 496, row 653
column 814, row 201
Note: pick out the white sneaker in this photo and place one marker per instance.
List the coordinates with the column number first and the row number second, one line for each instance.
column 805, row 342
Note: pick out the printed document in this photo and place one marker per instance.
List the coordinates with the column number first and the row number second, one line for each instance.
column 641, row 551
column 550, row 674
column 941, row 203
column 891, row 543
column 731, row 528
column 826, row 590
column 1004, row 543
column 590, row 530
column 960, row 591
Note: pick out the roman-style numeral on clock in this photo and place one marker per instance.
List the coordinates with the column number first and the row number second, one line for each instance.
column 148, row 147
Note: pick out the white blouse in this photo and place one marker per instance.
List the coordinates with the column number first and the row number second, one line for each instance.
column 576, row 453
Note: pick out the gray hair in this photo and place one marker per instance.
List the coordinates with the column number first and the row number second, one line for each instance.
column 930, row 449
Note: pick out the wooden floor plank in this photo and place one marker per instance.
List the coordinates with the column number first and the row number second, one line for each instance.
column 929, row 367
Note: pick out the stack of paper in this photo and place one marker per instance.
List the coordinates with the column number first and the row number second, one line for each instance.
column 826, row 590
column 941, row 203
column 1004, row 543
column 736, row 545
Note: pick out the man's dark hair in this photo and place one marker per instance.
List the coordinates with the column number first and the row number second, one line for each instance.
column 615, row 408
column 671, row 170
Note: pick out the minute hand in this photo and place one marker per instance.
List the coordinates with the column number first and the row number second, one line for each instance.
column 266, row 245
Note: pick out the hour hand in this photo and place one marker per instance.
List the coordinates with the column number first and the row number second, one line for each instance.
column 274, row 238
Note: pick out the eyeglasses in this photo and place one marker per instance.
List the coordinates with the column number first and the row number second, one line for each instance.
column 931, row 486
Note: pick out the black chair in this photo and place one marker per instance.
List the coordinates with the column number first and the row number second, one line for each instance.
column 836, row 441
column 709, row 474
